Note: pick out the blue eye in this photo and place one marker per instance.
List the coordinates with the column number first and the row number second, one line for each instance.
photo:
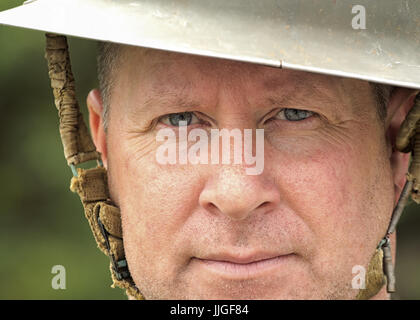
column 293, row 114
column 174, row 119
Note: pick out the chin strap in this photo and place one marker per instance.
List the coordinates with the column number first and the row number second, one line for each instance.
column 408, row 140
column 91, row 184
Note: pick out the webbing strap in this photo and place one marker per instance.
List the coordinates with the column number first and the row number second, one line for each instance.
column 407, row 140
column 91, row 184
column 77, row 143
column 374, row 277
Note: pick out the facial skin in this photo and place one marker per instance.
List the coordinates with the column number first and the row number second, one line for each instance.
column 321, row 205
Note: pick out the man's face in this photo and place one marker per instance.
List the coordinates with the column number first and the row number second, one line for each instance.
column 212, row 231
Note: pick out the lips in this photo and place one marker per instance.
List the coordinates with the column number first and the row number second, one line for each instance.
column 241, row 259
column 243, row 266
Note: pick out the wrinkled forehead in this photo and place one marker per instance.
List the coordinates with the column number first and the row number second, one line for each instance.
column 170, row 72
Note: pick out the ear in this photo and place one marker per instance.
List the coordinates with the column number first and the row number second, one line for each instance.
column 95, row 106
column 400, row 103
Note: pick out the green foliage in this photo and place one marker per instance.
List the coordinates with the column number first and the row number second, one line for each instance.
column 42, row 223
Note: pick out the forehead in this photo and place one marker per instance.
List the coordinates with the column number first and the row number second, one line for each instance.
column 158, row 63
column 171, row 73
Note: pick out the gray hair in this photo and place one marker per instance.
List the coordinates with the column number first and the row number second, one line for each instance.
column 107, row 58
column 382, row 93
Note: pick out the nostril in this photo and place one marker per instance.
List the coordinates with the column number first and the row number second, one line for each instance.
column 212, row 207
column 265, row 206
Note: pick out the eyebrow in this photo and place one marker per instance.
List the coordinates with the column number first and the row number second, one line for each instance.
column 305, row 92
column 165, row 102
column 173, row 96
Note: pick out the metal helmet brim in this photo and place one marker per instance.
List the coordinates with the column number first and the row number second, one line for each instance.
column 307, row 35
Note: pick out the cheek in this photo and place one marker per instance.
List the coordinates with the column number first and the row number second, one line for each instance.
column 320, row 187
column 341, row 190
column 155, row 199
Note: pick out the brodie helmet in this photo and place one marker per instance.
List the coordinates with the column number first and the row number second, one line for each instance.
column 376, row 41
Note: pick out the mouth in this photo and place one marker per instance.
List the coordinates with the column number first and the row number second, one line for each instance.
column 235, row 267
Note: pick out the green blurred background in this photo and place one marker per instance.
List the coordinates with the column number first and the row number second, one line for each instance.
column 42, row 223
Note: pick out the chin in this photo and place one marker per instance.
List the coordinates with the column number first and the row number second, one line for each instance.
column 258, row 290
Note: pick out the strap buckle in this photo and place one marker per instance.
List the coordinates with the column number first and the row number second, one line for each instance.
column 74, row 168
column 119, row 267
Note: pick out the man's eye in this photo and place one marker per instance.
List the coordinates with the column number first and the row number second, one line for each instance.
column 293, row 114
column 176, row 119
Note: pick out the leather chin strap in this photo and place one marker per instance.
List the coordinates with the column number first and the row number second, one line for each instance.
column 408, row 140
column 104, row 217
column 91, row 184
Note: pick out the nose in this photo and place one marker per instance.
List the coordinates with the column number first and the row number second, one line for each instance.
column 237, row 195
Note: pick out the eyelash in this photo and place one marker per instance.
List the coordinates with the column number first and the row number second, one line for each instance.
column 200, row 120
column 193, row 114
column 283, row 111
